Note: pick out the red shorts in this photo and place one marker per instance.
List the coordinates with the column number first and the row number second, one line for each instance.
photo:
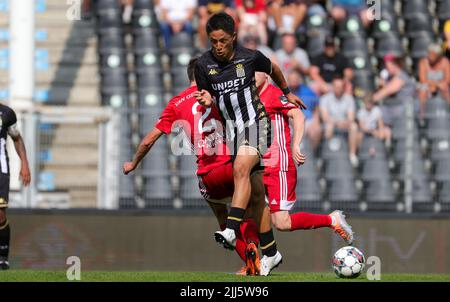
column 218, row 183
column 280, row 190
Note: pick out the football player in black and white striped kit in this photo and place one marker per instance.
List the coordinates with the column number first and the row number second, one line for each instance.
column 225, row 76
column 8, row 126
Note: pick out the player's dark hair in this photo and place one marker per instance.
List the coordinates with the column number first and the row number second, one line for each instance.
column 221, row 21
column 191, row 68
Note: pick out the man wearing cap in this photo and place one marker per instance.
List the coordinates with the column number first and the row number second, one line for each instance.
column 325, row 67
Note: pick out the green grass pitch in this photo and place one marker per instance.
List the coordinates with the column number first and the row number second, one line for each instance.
column 103, row 276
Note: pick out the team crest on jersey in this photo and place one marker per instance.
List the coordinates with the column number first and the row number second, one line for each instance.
column 240, row 72
column 213, row 71
column 283, row 100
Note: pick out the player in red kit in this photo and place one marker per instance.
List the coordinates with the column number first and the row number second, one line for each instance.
column 214, row 168
column 280, row 173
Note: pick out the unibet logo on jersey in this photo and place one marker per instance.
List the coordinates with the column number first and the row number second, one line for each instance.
column 240, row 72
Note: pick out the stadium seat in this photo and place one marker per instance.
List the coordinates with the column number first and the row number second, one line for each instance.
column 444, row 192
column 352, row 27
column 388, row 9
column 179, row 77
column 150, row 59
column 181, row 58
column 379, row 191
column 308, row 191
column 436, row 107
column 145, row 41
column 158, row 192
column 190, row 193
column 150, row 98
column 315, row 45
column 149, row 78
column 116, row 97
column 442, row 171
column 440, row 150
column 317, row 25
column 142, row 5
column 384, row 27
column 400, row 150
column 399, row 131
column 374, row 169
column 148, row 118
column 338, row 169
column 438, row 128
column 419, row 45
column 418, row 169
column 127, row 192
column 110, row 39
column 308, row 169
column 107, row 19
column 144, row 19
column 157, row 161
column 363, row 83
column 181, row 42
column 413, row 8
column 419, row 25
column 354, row 46
column 371, row 143
column 187, row 164
column 104, row 5
column 421, row 191
column 343, row 190
column 115, row 58
column 334, row 148
column 113, row 79
column 443, row 10
column 389, row 44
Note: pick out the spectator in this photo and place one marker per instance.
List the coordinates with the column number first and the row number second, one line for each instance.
column 447, row 39
column 290, row 57
column 398, row 86
column 327, row 66
column 253, row 42
column 206, row 8
column 344, row 8
column 286, row 15
column 337, row 110
column 313, row 129
column 252, row 19
column 371, row 122
column 176, row 16
column 434, row 76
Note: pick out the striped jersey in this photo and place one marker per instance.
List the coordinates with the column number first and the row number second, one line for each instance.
column 232, row 84
column 279, row 155
column 8, row 125
column 202, row 127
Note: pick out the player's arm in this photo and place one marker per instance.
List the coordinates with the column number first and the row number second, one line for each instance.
column 202, row 95
column 278, row 77
column 144, row 147
column 19, row 145
column 297, row 119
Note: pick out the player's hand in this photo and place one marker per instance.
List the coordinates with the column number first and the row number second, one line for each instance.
column 128, row 167
column 204, row 98
column 298, row 156
column 293, row 99
column 25, row 175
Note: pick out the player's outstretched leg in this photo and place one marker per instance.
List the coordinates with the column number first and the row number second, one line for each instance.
column 341, row 227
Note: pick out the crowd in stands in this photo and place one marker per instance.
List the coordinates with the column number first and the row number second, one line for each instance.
column 324, row 80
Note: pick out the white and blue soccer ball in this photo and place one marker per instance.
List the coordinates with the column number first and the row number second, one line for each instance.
column 348, row 262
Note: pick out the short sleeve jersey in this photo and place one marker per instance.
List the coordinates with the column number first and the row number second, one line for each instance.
column 8, row 122
column 201, row 126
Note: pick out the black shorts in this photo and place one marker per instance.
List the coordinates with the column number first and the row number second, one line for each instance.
column 257, row 136
column 4, row 190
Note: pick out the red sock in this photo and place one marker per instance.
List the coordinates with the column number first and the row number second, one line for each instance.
column 241, row 245
column 249, row 229
column 306, row 221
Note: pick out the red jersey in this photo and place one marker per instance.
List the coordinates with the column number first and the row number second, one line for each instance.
column 201, row 125
column 279, row 156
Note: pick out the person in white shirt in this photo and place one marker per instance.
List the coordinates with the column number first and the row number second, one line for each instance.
column 371, row 123
column 337, row 110
column 176, row 16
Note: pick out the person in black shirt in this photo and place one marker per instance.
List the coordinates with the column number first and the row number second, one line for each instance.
column 8, row 126
column 327, row 66
column 225, row 75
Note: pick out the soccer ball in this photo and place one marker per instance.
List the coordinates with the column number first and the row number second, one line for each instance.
column 348, row 262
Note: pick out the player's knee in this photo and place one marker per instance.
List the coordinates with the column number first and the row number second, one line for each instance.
column 240, row 171
column 282, row 223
